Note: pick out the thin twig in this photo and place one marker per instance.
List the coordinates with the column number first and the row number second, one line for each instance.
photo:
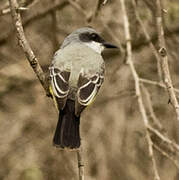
column 175, row 162
column 163, row 138
column 149, row 40
column 25, row 45
column 155, row 83
column 164, row 62
column 137, row 87
column 4, row 11
column 7, row 10
column 22, row 7
column 80, row 164
column 96, row 10
column 150, row 108
column 105, row 1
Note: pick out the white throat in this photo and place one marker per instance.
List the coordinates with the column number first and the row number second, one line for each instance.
column 98, row 47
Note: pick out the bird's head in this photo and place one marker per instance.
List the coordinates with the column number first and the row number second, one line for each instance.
column 89, row 37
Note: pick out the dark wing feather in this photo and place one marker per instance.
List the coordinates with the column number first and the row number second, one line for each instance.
column 60, row 86
column 87, row 90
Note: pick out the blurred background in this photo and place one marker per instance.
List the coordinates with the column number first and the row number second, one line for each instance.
column 112, row 129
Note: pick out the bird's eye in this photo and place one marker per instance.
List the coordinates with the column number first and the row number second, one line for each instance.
column 94, row 36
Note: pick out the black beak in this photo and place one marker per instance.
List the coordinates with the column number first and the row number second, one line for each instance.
column 108, row 45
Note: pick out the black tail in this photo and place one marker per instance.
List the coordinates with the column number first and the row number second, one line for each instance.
column 67, row 133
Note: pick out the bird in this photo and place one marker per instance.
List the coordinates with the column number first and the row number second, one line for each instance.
column 76, row 75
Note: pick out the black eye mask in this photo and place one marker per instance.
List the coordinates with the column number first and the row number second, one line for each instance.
column 87, row 37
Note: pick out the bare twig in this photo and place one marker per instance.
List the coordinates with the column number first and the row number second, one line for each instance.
column 137, row 87
column 96, row 10
column 147, row 81
column 7, row 10
column 36, row 66
column 149, row 40
column 105, row 1
column 163, row 138
column 164, row 62
column 4, row 11
column 156, row 121
column 25, row 45
column 22, row 7
column 172, row 159
column 80, row 164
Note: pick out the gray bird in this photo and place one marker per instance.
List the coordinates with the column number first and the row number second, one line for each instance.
column 76, row 73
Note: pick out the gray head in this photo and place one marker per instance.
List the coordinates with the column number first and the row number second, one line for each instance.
column 89, row 37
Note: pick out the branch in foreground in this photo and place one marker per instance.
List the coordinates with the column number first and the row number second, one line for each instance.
column 137, row 88
column 164, row 62
column 25, row 45
column 4, row 11
column 35, row 65
column 80, row 164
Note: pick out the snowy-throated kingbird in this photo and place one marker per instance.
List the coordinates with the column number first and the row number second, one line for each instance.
column 76, row 73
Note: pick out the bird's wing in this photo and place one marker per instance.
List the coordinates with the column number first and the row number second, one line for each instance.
column 87, row 90
column 59, row 85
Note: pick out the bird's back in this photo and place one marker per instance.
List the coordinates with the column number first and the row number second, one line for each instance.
column 78, row 58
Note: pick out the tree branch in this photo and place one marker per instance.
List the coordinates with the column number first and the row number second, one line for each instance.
column 164, row 62
column 137, row 87
column 155, row 120
column 175, row 162
column 163, row 138
column 155, row 83
column 80, row 164
column 36, row 66
column 25, row 45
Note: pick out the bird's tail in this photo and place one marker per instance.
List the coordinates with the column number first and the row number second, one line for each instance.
column 67, row 133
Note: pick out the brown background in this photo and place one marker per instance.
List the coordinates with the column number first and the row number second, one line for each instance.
column 112, row 129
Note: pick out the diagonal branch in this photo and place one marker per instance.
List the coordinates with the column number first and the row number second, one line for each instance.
column 164, row 57
column 163, row 138
column 175, row 162
column 36, row 66
column 25, row 45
